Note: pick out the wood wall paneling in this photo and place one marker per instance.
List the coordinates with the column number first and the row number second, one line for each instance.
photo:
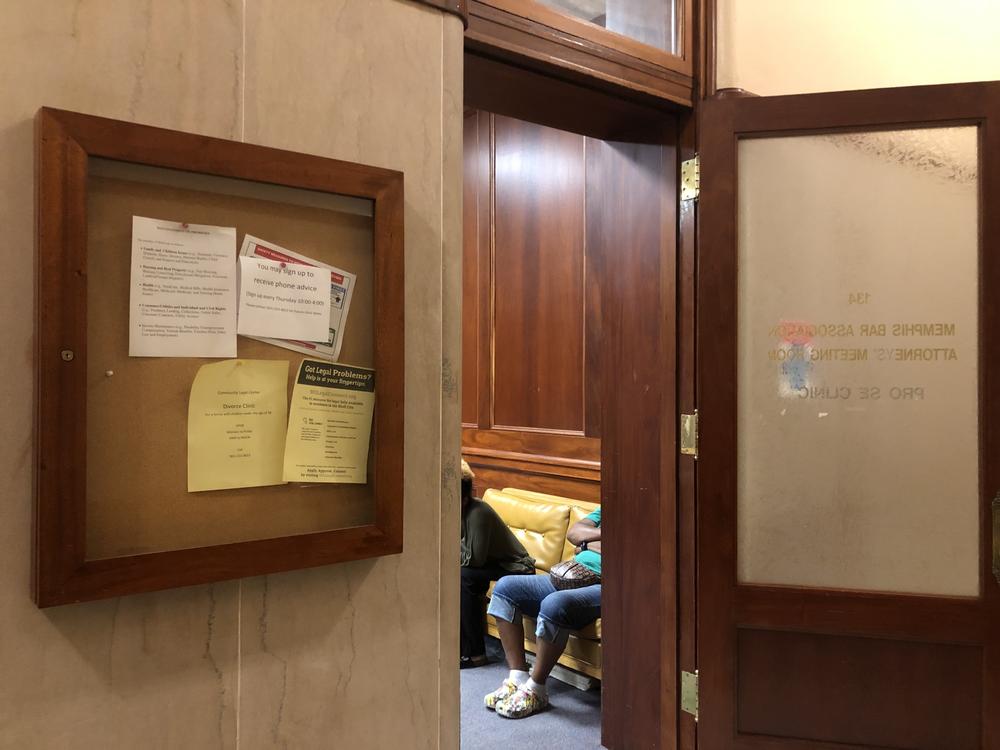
column 538, row 473
column 566, row 465
column 477, row 274
column 594, row 270
column 565, row 448
column 538, row 277
column 484, row 240
column 531, row 321
column 470, row 270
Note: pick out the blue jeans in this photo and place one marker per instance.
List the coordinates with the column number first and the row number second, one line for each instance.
column 556, row 612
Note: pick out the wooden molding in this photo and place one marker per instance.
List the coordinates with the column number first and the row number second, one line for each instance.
column 707, row 58
column 536, row 12
column 533, row 458
column 548, row 474
column 589, row 59
column 545, row 444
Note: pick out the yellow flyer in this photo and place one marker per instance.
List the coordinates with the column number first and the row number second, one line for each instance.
column 330, row 423
column 236, row 422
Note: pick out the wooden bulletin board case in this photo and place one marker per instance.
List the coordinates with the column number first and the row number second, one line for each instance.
column 112, row 514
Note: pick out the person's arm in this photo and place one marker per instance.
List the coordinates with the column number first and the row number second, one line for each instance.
column 476, row 544
column 584, row 530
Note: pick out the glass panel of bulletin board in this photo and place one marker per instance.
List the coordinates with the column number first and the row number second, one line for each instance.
column 137, row 500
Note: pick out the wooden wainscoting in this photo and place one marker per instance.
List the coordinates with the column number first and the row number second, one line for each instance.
column 535, row 463
column 531, row 321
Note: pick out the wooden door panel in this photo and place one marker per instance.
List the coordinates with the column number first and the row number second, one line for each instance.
column 858, row 691
column 789, row 667
column 860, row 613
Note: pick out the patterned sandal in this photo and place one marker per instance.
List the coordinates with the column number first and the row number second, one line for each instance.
column 521, row 704
column 502, row 693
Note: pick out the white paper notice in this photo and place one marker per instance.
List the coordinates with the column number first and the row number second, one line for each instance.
column 182, row 301
column 283, row 300
column 341, row 292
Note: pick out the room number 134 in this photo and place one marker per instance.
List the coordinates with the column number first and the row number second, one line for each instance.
column 859, row 298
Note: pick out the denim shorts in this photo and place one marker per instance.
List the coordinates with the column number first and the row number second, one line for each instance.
column 556, row 612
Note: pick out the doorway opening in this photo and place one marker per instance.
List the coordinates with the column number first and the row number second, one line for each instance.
column 569, row 387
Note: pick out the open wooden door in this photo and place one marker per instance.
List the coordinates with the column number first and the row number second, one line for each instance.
column 848, row 339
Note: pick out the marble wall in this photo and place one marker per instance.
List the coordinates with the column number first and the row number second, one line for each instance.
column 355, row 656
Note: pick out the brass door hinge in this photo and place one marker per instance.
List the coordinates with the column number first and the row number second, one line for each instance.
column 690, row 179
column 689, row 693
column 689, row 434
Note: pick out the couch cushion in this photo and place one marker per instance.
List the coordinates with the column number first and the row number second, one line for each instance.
column 584, row 649
column 546, row 498
column 540, row 527
column 578, row 509
column 591, row 632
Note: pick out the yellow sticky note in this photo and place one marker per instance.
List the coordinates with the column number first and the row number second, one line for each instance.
column 236, row 424
column 330, row 423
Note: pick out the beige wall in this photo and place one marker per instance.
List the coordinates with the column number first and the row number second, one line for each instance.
column 800, row 46
column 358, row 655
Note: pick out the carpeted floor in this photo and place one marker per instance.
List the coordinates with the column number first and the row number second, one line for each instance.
column 572, row 721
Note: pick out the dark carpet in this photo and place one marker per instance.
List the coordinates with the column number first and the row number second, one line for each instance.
column 572, row 721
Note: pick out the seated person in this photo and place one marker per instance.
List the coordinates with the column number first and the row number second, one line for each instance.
column 557, row 613
column 490, row 551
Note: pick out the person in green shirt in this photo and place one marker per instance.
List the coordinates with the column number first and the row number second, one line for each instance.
column 490, row 551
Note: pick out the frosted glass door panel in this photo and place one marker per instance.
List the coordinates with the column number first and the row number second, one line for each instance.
column 858, row 435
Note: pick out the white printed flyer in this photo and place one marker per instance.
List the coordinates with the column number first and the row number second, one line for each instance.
column 182, row 301
column 341, row 291
column 283, row 300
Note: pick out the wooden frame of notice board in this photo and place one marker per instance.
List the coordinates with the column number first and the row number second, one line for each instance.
column 72, row 289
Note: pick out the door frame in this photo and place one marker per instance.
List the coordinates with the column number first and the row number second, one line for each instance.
column 640, row 704
column 687, row 403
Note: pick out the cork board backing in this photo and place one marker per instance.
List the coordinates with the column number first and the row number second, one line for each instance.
column 137, row 499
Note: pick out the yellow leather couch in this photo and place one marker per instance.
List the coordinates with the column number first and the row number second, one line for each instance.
column 540, row 522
